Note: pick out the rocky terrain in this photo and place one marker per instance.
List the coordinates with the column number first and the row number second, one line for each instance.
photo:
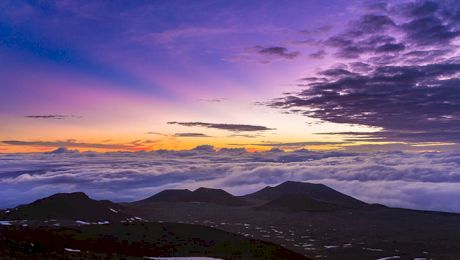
column 321, row 223
column 290, row 221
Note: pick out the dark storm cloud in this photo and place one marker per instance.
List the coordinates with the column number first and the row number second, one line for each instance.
column 276, row 51
column 59, row 117
column 191, row 135
column 402, row 77
column 228, row 127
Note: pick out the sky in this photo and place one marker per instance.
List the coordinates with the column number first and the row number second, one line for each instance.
column 121, row 99
column 149, row 75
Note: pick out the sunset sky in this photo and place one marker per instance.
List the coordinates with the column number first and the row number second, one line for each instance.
column 122, row 99
column 150, row 75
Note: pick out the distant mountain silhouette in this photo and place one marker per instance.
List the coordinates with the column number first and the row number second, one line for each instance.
column 317, row 192
column 170, row 196
column 297, row 202
column 62, row 150
column 71, row 206
column 205, row 195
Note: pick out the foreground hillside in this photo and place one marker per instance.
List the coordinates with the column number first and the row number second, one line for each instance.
column 134, row 240
column 72, row 225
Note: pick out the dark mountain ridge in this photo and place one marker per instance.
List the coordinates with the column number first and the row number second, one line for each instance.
column 298, row 202
column 317, row 192
column 203, row 195
column 69, row 206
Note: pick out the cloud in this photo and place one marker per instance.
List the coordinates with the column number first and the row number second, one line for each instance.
column 318, row 55
column 412, row 103
column 68, row 143
column 228, row 127
column 204, row 148
column 291, row 145
column 318, row 30
column 245, row 135
column 156, row 133
column 429, row 180
column 444, row 136
column 212, row 100
column 276, row 51
column 422, row 24
column 191, row 135
column 401, row 75
column 59, row 117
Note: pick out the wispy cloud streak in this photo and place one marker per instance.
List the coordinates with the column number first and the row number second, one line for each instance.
column 223, row 126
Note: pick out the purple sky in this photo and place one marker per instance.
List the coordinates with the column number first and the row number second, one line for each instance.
column 329, row 75
column 336, row 84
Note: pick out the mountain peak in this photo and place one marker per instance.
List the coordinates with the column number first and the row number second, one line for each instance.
column 202, row 194
column 210, row 191
column 300, row 184
column 72, row 206
column 171, row 195
column 318, row 192
column 78, row 194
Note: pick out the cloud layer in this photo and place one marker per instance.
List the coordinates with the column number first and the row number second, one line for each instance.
column 400, row 73
column 413, row 180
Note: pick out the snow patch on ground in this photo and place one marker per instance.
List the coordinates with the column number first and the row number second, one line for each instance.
column 81, row 222
column 373, row 249
column 71, row 250
column 5, row 223
column 181, row 258
column 104, row 222
column 134, row 219
column 389, row 257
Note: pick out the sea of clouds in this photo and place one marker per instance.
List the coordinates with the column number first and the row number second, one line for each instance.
column 429, row 180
